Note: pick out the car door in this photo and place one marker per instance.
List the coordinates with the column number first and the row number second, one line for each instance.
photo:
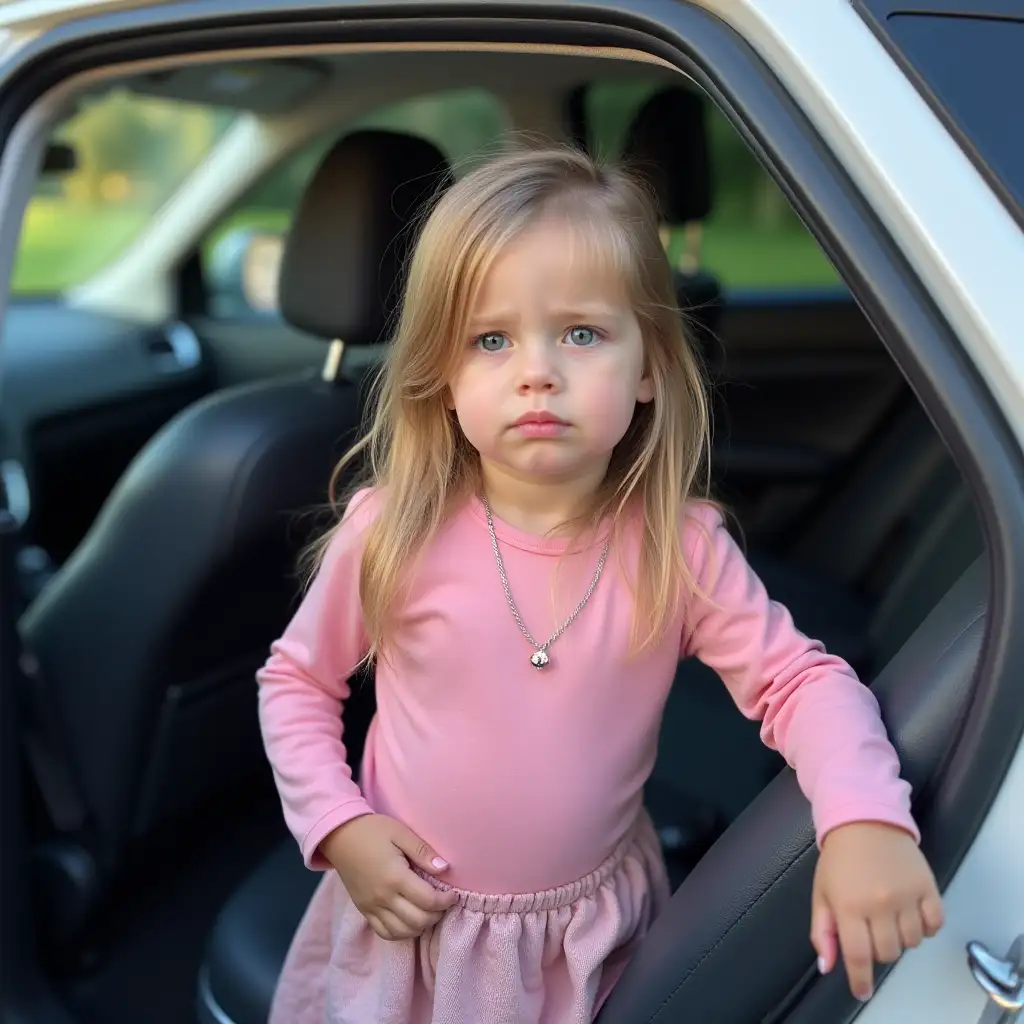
column 741, row 967
column 804, row 86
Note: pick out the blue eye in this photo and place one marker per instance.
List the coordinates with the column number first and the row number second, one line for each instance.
column 491, row 342
column 582, row 337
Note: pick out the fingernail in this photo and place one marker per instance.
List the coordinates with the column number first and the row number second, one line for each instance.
column 821, row 965
column 439, row 864
column 864, row 997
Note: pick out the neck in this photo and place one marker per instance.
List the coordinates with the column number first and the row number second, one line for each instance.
column 540, row 507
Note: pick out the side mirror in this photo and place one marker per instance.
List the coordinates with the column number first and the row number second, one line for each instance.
column 59, row 158
column 243, row 271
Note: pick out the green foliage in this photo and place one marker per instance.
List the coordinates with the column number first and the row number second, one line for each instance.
column 133, row 153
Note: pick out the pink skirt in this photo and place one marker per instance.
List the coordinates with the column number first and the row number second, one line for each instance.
column 539, row 958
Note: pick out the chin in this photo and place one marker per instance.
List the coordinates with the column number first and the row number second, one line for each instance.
column 545, row 469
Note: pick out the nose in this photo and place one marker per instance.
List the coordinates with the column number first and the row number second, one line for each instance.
column 538, row 369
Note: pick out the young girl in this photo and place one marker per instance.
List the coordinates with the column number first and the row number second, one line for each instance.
column 527, row 565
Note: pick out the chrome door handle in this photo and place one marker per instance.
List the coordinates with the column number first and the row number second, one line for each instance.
column 1002, row 980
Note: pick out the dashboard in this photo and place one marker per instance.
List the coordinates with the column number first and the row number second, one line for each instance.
column 80, row 394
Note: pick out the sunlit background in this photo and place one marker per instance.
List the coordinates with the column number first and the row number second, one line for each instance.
column 133, row 152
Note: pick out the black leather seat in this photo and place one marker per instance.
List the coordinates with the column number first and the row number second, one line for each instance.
column 746, row 905
column 251, row 937
column 149, row 636
column 667, row 143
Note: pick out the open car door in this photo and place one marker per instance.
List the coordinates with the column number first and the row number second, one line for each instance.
column 936, row 263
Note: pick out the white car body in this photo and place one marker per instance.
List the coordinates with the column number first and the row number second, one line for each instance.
column 969, row 253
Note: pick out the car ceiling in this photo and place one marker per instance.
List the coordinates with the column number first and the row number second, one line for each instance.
column 278, row 85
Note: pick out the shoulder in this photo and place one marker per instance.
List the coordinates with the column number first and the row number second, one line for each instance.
column 362, row 510
column 702, row 531
column 713, row 557
column 347, row 538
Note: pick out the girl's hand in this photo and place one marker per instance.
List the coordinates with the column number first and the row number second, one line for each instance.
column 876, row 895
column 371, row 855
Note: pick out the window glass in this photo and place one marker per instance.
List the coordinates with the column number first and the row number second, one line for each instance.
column 752, row 239
column 975, row 73
column 130, row 153
column 242, row 254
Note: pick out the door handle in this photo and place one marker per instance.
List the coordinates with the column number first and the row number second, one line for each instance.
column 1002, row 980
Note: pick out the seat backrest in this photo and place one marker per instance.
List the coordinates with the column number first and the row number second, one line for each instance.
column 148, row 637
column 900, row 529
column 668, row 145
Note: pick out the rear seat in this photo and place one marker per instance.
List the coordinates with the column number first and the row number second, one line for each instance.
column 925, row 536
column 668, row 145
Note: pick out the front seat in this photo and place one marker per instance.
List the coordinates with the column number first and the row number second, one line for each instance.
column 148, row 638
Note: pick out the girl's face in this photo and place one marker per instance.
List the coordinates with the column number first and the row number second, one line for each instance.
column 554, row 361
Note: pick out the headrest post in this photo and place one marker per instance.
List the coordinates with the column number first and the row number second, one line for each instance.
column 332, row 364
column 693, row 237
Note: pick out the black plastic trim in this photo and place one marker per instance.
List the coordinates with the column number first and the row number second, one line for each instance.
column 881, row 9
column 897, row 305
column 876, row 14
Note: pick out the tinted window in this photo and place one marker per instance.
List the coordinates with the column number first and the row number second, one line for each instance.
column 975, row 68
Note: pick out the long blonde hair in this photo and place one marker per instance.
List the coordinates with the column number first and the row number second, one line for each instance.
column 416, row 454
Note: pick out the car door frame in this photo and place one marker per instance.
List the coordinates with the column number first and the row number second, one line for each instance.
column 937, row 348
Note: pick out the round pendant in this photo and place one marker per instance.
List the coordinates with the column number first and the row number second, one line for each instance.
column 539, row 659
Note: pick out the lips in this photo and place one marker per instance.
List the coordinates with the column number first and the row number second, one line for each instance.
column 539, row 417
column 540, row 425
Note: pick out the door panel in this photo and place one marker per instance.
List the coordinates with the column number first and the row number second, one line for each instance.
column 800, row 386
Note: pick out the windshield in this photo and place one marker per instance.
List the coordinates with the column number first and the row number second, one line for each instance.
column 132, row 152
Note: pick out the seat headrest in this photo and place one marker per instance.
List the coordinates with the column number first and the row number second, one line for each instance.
column 667, row 144
column 349, row 242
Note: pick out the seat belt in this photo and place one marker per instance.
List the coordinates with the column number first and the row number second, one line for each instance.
column 45, row 753
column 49, row 765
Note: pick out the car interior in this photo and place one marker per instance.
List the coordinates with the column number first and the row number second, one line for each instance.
column 172, row 474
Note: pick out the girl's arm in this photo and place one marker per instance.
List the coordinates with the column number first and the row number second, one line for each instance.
column 303, row 686
column 812, row 707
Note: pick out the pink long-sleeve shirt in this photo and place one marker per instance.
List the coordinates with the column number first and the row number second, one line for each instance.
column 525, row 779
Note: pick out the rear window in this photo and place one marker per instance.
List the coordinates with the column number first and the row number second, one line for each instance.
column 973, row 68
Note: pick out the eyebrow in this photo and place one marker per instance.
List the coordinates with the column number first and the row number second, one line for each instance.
column 568, row 314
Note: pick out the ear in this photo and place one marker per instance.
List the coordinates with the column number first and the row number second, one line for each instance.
column 645, row 390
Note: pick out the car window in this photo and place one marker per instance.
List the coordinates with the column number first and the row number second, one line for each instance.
column 974, row 75
column 241, row 255
column 130, row 153
column 753, row 240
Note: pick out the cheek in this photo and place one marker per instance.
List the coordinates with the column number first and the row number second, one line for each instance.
column 609, row 399
column 475, row 406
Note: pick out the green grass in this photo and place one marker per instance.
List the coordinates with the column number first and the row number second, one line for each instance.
column 64, row 242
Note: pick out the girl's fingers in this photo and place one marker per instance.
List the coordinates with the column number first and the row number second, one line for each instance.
column 855, row 942
column 885, row 939
column 823, row 935
column 393, row 925
column 932, row 914
column 417, row 920
column 911, row 928
column 420, row 893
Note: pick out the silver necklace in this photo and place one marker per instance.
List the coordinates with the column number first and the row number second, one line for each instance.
column 540, row 657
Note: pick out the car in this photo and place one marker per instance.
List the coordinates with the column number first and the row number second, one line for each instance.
column 201, row 226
